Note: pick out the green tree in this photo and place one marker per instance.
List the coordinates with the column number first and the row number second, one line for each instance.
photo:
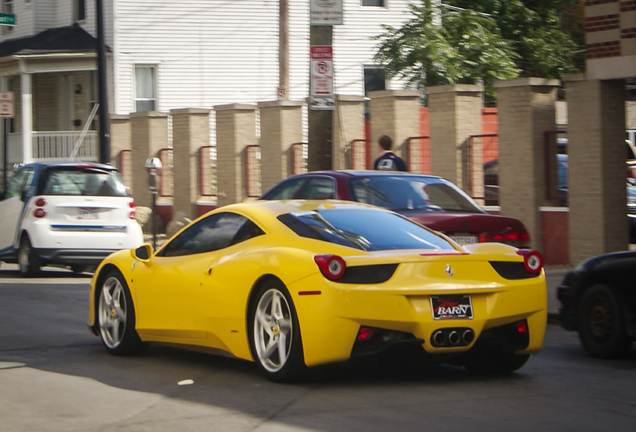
column 479, row 41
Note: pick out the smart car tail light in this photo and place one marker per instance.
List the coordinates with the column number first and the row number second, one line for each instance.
column 331, row 266
column 40, row 212
column 133, row 213
column 532, row 260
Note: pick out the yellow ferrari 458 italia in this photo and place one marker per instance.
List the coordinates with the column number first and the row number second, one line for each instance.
column 295, row 284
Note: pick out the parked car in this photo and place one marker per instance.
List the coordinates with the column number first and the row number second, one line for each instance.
column 426, row 199
column 65, row 213
column 296, row 284
column 598, row 300
column 491, row 180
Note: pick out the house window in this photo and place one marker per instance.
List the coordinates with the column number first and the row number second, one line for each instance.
column 374, row 80
column 145, row 88
column 79, row 10
column 377, row 3
column 7, row 8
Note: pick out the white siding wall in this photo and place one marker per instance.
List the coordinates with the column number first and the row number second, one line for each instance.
column 63, row 13
column 44, row 12
column 208, row 52
column 24, row 21
column 352, row 44
column 212, row 52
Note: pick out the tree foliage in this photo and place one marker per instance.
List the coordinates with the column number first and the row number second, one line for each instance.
column 480, row 41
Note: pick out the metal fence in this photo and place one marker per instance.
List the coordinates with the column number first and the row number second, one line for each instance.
column 299, row 153
column 482, row 162
column 358, row 155
column 418, row 154
column 252, row 163
column 166, row 186
column 207, row 171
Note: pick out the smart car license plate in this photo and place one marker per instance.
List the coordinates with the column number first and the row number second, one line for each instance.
column 465, row 240
column 87, row 214
column 451, row 307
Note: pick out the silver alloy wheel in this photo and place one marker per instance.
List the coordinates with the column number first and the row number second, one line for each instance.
column 273, row 330
column 112, row 312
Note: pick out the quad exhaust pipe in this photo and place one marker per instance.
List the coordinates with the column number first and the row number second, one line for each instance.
column 452, row 337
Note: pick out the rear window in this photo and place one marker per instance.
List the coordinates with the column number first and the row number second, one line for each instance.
column 366, row 229
column 401, row 193
column 82, row 180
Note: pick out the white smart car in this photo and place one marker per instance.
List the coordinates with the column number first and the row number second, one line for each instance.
column 69, row 213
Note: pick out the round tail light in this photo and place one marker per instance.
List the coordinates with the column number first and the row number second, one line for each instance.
column 532, row 260
column 331, row 266
column 39, row 213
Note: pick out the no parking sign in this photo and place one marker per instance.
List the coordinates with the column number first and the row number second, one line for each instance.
column 6, row 104
column 321, row 77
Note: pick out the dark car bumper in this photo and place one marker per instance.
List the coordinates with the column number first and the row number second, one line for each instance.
column 73, row 256
column 566, row 294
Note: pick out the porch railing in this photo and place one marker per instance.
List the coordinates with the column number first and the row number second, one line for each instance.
column 60, row 144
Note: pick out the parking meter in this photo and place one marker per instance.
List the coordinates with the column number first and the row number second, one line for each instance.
column 153, row 165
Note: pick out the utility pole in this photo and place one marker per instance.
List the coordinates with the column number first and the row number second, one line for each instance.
column 283, row 50
column 104, row 121
column 320, row 120
column 322, row 17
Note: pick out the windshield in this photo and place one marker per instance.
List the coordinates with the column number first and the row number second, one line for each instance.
column 82, row 180
column 400, row 193
column 365, row 229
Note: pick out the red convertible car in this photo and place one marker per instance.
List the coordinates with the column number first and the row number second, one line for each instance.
column 429, row 200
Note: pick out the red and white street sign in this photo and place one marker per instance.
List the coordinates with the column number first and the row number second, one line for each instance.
column 6, row 104
column 321, row 77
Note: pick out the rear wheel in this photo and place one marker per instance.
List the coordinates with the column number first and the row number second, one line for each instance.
column 116, row 317
column 28, row 261
column 602, row 324
column 274, row 334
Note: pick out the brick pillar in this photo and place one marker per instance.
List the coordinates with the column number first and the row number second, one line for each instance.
column 190, row 132
column 526, row 109
column 596, row 148
column 348, row 125
column 281, row 126
column 455, row 115
column 149, row 131
column 395, row 113
column 235, row 129
column 120, row 140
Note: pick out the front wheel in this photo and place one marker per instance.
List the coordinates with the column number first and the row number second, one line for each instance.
column 116, row 317
column 601, row 323
column 28, row 261
column 274, row 334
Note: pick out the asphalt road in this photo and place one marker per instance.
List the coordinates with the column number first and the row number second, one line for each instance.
column 56, row 376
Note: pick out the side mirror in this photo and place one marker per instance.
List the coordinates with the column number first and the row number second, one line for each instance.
column 142, row 253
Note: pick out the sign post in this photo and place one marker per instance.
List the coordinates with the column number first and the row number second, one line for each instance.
column 323, row 15
column 6, row 113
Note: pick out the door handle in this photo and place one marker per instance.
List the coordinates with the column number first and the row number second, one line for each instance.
column 209, row 271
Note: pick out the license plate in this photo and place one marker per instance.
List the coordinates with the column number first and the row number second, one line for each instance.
column 87, row 214
column 465, row 240
column 452, row 307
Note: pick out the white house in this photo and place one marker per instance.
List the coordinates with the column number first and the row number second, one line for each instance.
column 167, row 55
